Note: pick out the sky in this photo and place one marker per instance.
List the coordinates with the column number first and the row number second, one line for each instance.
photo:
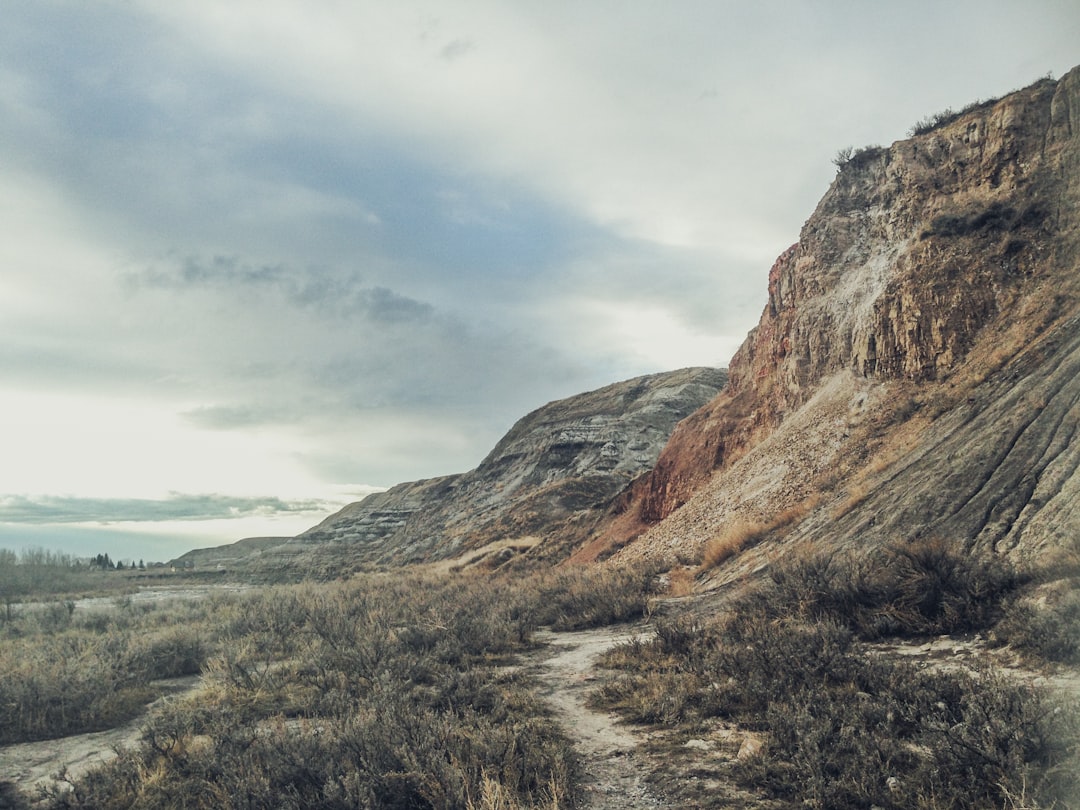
column 261, row 258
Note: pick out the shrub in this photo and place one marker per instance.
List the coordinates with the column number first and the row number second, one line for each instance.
column 169, row 654
column 11, row 799
column 376, row 693
column 1000, row 741
column 65, row 685
column 731, row 541
column 932, row 122
column 933, row 588
column 849, row 158
column 995, row 218
column 579, row 598
column 847, row 729
column 1049, row 631
column 919, row 587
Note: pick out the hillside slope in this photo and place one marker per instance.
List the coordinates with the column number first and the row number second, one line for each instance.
column 550, row 478
column 915, row 369
column 540, row 491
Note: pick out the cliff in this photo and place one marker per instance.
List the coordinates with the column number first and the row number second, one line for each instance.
column 914, row 369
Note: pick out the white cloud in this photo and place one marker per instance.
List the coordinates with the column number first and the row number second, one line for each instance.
column 118, row 446
column 566, row 102
column 642, row 117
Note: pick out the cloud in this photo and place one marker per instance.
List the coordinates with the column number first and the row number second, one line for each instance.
column 226, row 417
column 53, row 509
column 456, row 49
column 335, row 294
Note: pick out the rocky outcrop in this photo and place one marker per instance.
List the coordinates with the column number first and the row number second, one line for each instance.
column 996, row 470
column 916, row 294
column 540, row 491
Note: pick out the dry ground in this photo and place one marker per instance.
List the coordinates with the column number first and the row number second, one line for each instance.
column 609, row 749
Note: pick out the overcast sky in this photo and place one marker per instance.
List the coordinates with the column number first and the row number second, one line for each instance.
column 259, row 257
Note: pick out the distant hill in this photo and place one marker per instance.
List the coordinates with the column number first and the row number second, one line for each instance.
column 915, row 373
column 245, row 549
column 538, row 494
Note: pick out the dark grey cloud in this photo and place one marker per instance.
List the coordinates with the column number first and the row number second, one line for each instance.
column 456, row 49
column 340, row 294
column 56, row 509
column 327, row 343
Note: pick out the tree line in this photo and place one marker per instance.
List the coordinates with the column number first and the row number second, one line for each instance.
column 39, row 571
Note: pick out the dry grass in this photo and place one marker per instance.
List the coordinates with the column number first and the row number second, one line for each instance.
column 732, row 540
column 843, row 729
column 680, row 581
column 740, row 535
column 795, row 513
column 387, row 691
column 856, row 494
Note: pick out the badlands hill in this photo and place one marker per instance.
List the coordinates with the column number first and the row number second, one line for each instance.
column 916, row 371
column 541, row 492
column 550, row 479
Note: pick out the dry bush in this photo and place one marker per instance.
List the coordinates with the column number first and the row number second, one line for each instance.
column 921, row 587
column 582, row 597
column 856, row 494
column 680, row 582
column 378, row 693
column 731, row 540
column 740, row 535
column 11, row 798
column 651, row 697
column 848, row 730
column 1047, row 629
column 936, row 588
column 61, row 679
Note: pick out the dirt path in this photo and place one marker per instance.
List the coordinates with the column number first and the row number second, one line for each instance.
column 32, row 765
column 615, row 774
column 36, row 764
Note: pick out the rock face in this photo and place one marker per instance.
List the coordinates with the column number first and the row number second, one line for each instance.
column 915, row 368
column 542, row 488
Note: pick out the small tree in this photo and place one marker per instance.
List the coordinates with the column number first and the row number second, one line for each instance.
column 11, row 580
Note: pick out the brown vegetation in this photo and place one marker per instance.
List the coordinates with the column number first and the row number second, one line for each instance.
column 385, row 691
column 731, row 540
column 740, row 535
column 843, row 728
column 394, row 691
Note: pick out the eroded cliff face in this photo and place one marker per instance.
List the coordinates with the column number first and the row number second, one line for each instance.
column 925, row 269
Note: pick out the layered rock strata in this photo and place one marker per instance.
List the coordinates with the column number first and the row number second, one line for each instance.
column 542, row 488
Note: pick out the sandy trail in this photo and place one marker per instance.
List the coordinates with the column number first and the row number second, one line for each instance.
column 36, row 764
column 614, row 770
